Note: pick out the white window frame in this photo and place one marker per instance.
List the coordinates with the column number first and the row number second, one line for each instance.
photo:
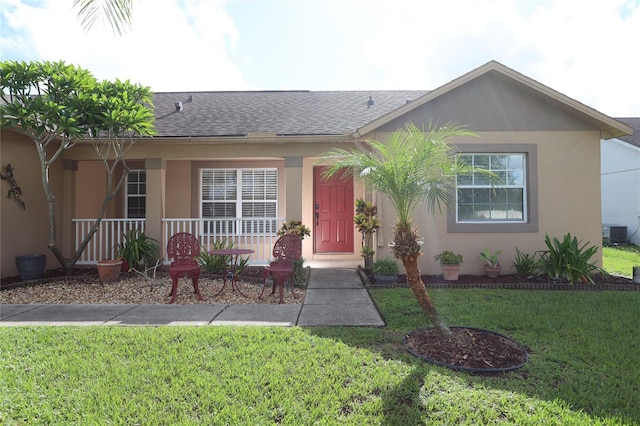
column 230, row 228
column 532, row 212
column 479, row 181
column 129, row 195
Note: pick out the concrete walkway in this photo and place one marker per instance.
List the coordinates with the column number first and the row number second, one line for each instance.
column 334, row 297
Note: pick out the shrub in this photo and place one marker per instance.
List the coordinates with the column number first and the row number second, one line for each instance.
column 385, row 266
column 568, row 260
column 211, row 263
column 525, row 264
column 138, row 250
column 299, row 271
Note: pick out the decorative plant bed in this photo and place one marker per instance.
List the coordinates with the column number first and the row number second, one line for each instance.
column 467, row 349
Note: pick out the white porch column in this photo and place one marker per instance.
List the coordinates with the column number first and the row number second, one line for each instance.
column 293, row 187
column 155, row 198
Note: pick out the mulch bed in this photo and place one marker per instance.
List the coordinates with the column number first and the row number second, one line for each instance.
column 512, row 281
column 467, row 349
column 84, row 286
column 252, row 274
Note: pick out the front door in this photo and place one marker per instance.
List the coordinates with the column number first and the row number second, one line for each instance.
column 333, row 213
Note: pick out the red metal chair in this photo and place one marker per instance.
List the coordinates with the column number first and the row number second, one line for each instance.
column 183, row 248
column 286, row 250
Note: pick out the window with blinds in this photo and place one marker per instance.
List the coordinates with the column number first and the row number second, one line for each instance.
column 231, row 194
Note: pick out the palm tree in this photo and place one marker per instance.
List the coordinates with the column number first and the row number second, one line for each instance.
column 412, row 167
column 116, row 12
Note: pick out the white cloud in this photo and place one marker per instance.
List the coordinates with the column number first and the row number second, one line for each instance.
column 169, row 48
column 585, row 50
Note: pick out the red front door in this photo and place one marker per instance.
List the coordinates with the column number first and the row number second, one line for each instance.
column 333, row 213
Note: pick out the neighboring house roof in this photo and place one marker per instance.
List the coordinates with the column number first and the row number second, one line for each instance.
column 634, row 123
column 273, row 112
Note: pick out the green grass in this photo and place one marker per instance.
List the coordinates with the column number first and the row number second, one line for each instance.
column 584, row 368
column 621, row 260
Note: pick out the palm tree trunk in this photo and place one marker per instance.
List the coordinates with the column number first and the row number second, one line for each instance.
column 420, row 292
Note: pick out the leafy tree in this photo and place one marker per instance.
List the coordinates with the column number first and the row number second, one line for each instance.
column 411, row 168
column 117, row 13
column 58, row 106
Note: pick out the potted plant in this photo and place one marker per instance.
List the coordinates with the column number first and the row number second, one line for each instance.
column 367, row 223
column 109, row 269
column 295, row 227
column 491, row 263
column 137, row 250
column 385, row 270
column 450, row 264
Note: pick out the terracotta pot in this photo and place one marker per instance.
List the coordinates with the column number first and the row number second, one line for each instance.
column 109, row 270
column 492, row 271
column 450, row 272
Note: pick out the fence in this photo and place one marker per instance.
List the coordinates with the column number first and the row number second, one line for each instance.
column 257, row 234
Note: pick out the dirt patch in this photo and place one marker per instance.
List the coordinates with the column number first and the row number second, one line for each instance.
column 467, row 349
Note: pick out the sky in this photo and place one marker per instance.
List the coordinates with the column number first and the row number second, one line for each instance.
column 587, row 50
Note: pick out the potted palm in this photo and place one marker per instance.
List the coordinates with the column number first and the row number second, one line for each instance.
column 385, row 270
column 450, row 264
column 491, row 263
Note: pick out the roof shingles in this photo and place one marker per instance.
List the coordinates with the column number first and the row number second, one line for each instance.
column 211, row 114
column 634, row 123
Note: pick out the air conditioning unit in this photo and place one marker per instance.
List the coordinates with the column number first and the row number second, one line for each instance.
column 614, row 234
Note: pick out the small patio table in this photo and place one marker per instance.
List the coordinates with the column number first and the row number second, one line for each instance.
column 231, row 267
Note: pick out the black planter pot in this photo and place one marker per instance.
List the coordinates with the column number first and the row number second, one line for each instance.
column 385, row 279
column 31, row 267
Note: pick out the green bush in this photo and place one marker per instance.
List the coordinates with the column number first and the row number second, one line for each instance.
column 212, row 263
column 385, row 266
column 299, row 271
column 138, row 250
column 568, row 260
column 525, row 264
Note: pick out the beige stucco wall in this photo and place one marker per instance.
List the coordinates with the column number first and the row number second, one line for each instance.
column 568, row 202
column 24, row 232
column 501, row 110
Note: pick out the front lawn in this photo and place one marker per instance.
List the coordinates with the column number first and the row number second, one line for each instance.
column 584, row 368
column 620, row 260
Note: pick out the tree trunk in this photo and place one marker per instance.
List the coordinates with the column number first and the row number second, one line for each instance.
column 420, row 292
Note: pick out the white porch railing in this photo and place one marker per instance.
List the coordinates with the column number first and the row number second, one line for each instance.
column 104, row 243
column 257, row 234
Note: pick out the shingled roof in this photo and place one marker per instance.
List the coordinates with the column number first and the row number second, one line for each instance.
column 634, row 123
column 211, row 114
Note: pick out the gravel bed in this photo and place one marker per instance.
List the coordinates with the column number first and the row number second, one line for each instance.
column 139, row 290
